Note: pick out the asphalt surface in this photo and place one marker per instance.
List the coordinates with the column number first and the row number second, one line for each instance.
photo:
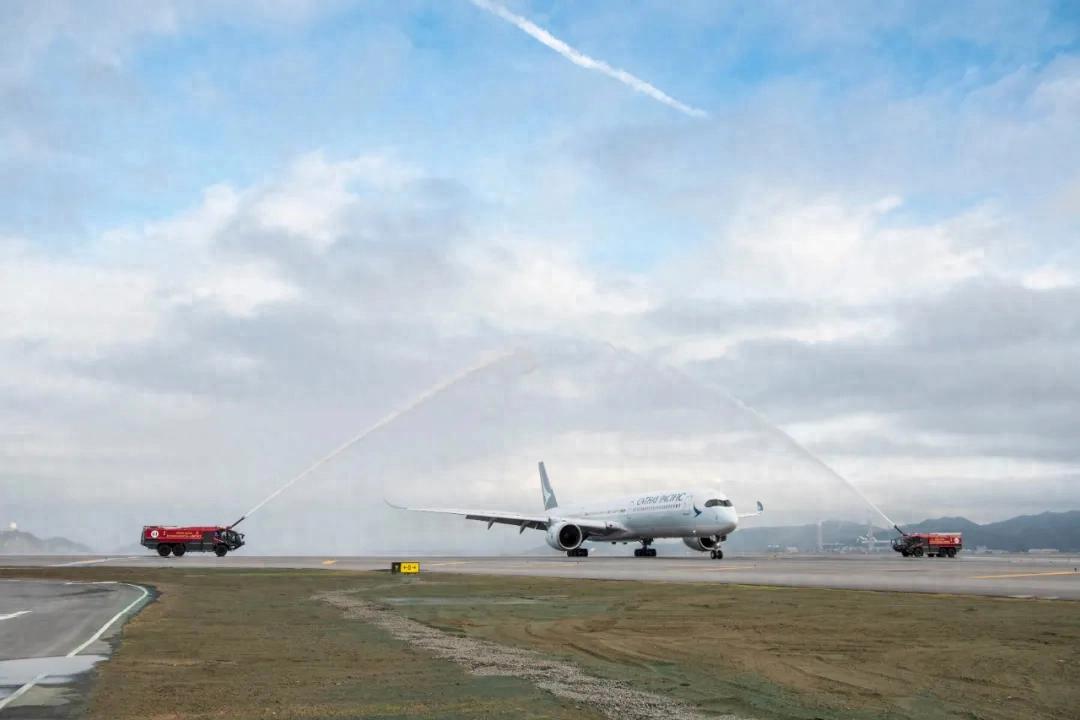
column 1013, row 575
column 51, row 636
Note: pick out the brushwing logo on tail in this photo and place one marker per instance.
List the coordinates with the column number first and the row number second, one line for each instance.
column 545, row 488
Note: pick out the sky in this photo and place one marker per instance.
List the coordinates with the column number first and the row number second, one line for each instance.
column 234, row 234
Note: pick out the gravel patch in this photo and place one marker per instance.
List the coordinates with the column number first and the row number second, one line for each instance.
column 481, row 657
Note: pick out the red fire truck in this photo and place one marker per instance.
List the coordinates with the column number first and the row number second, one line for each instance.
column 929, row 544
column 178, row 540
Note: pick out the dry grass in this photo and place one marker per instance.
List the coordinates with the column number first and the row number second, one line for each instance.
column 255, row 644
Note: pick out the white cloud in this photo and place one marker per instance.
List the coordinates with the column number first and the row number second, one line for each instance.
column 1048, row 277
column 827, row 249
column 312, row 200
column 71, row 305
column 524, row 286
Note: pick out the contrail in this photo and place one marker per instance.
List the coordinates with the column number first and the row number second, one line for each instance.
column 583, row 60
column 416, row 402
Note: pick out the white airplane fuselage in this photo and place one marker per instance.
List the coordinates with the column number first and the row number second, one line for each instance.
column 667, row 514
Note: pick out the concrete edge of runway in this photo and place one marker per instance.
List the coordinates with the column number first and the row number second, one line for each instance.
column 1017, row 575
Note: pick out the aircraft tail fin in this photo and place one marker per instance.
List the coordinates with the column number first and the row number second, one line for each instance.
column 545, row 489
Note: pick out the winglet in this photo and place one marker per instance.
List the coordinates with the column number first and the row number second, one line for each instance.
column 396, row 507
column 545, row 489
column 760, row 509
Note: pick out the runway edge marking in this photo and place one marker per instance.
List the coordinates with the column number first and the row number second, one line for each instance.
column 96, row 636
column 21, row 691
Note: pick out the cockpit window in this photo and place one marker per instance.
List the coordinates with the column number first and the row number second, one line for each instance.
column 717, row 503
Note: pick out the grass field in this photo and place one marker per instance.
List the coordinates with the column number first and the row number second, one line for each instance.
column 325, row 644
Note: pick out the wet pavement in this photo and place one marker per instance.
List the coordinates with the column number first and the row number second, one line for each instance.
column 52, row 633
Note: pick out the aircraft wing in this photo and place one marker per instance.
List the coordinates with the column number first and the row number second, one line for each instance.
column 536, row 522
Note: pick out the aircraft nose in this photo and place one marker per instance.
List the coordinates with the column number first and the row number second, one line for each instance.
column 728, row 518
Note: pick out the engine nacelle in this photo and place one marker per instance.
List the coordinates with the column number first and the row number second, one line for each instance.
column 701, row 544
column 565, row 536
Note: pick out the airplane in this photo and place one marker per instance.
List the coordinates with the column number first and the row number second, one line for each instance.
column 871, row 543
column 701, row 518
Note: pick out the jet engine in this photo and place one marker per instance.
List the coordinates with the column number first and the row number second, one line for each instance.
column 701, row 544
column 565, row 536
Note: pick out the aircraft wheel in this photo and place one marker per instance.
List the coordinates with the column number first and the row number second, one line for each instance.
column 179, row 550
column 221, row 550
column 719, row 555
column 637, row 552
column 650, row 552
column 163, row 550
column 712, row 554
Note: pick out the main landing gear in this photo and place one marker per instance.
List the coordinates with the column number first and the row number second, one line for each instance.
column 578, row 552
column 717, row 554
column 645, row 550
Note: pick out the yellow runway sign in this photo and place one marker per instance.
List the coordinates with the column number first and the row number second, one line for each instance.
column 405, row 568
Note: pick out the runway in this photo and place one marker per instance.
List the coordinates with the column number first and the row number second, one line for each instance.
column 1014, row 575
column 52, row 633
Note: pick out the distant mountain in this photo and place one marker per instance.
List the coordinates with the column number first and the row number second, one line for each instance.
column 1060, row 531
column 17, row 542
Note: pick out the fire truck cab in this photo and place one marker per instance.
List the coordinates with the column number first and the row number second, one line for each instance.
column 176, row 541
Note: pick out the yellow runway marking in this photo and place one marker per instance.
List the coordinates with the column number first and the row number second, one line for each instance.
column 328, row 562
column 1022, row 575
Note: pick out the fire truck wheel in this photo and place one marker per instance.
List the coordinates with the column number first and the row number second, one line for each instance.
column 163, row 550
column 917, row 552
column 179, row 550
column 220, row 550
column 905, row 553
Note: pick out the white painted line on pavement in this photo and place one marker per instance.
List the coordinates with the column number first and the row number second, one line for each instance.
column 15, row 614
column 15, row 695
column 115, row 617
column 84, row 562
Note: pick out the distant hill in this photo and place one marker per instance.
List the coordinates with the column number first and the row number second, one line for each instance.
column 1060, row 531
column 17, row 542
